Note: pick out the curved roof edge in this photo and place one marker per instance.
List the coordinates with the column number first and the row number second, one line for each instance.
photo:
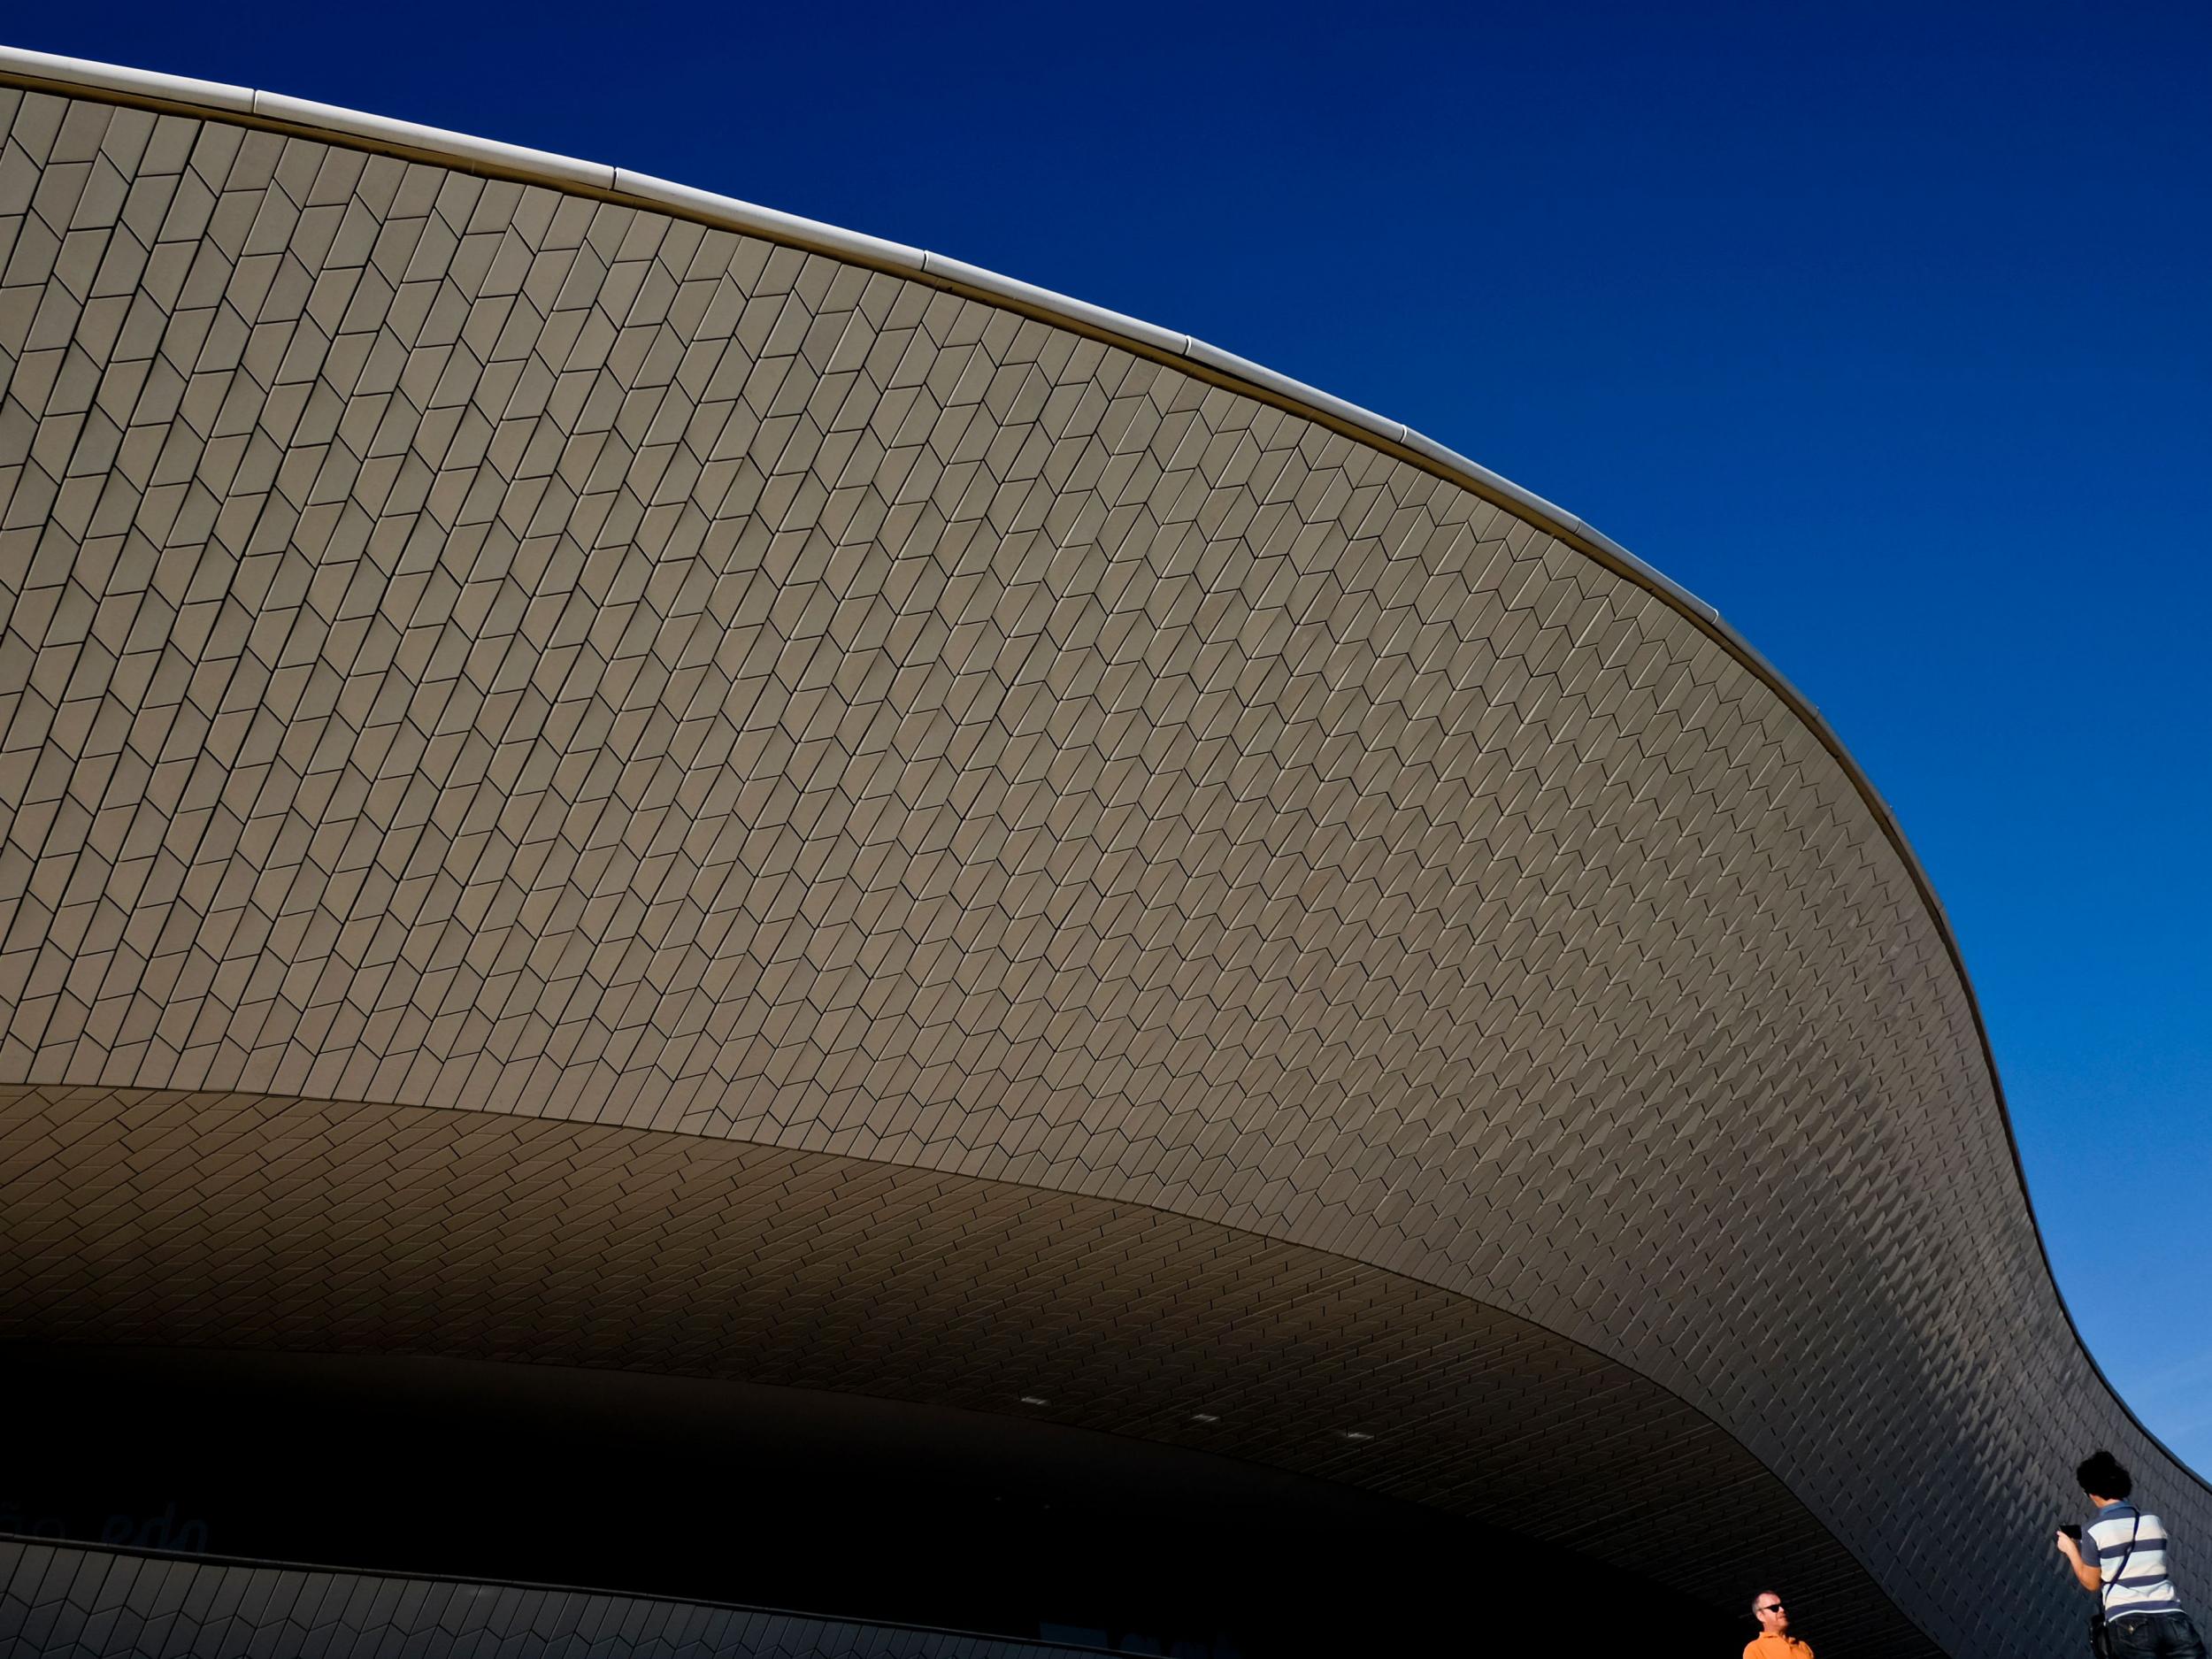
column 464, row 152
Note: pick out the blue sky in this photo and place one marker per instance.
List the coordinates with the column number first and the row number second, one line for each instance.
column 1882, row 330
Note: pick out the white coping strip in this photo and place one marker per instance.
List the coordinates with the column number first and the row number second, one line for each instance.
column 731, row 213
column 1096, row 318
column 727, row 211
column 142, row 83
column 485, row 152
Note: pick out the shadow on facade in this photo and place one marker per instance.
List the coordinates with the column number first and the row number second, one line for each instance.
column 842, row 1505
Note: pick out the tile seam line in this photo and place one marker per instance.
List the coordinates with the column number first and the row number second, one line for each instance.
column 46, row 71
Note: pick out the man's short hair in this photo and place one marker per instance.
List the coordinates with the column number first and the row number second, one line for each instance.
column 2102, row 1477
column 1756, row 1595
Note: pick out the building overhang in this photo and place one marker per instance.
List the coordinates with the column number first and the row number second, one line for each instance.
column 594, row 773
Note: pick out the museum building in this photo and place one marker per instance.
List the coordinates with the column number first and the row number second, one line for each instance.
column 720, row 938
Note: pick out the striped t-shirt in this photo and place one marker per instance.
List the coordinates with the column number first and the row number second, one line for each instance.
column 2144, row 1585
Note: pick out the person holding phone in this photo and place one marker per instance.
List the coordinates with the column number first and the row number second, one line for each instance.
column 2121, row 1558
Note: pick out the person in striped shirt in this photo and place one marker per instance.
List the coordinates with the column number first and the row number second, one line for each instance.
column 2122, row 1559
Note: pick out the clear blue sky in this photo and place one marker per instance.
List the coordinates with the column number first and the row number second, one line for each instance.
column 1886, row 331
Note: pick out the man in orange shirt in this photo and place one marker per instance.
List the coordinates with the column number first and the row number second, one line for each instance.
column 1774, row 1640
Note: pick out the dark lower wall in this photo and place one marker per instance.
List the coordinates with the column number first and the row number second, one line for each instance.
column 860, row 1511
column 92, row 1603
column 684, row 1490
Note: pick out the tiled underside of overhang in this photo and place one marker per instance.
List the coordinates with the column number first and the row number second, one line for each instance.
column 232, row 1221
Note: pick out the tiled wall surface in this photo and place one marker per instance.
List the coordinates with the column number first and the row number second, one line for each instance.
column 474, row 647
column 79, row 1603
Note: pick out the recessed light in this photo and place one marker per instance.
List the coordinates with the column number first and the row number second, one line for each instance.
column 1203, row 1417
column 1035, row 1400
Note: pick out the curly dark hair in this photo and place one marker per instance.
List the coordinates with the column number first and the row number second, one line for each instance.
column 2102, row 1477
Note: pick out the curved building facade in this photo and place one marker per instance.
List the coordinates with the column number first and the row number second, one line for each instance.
column 598, row 778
